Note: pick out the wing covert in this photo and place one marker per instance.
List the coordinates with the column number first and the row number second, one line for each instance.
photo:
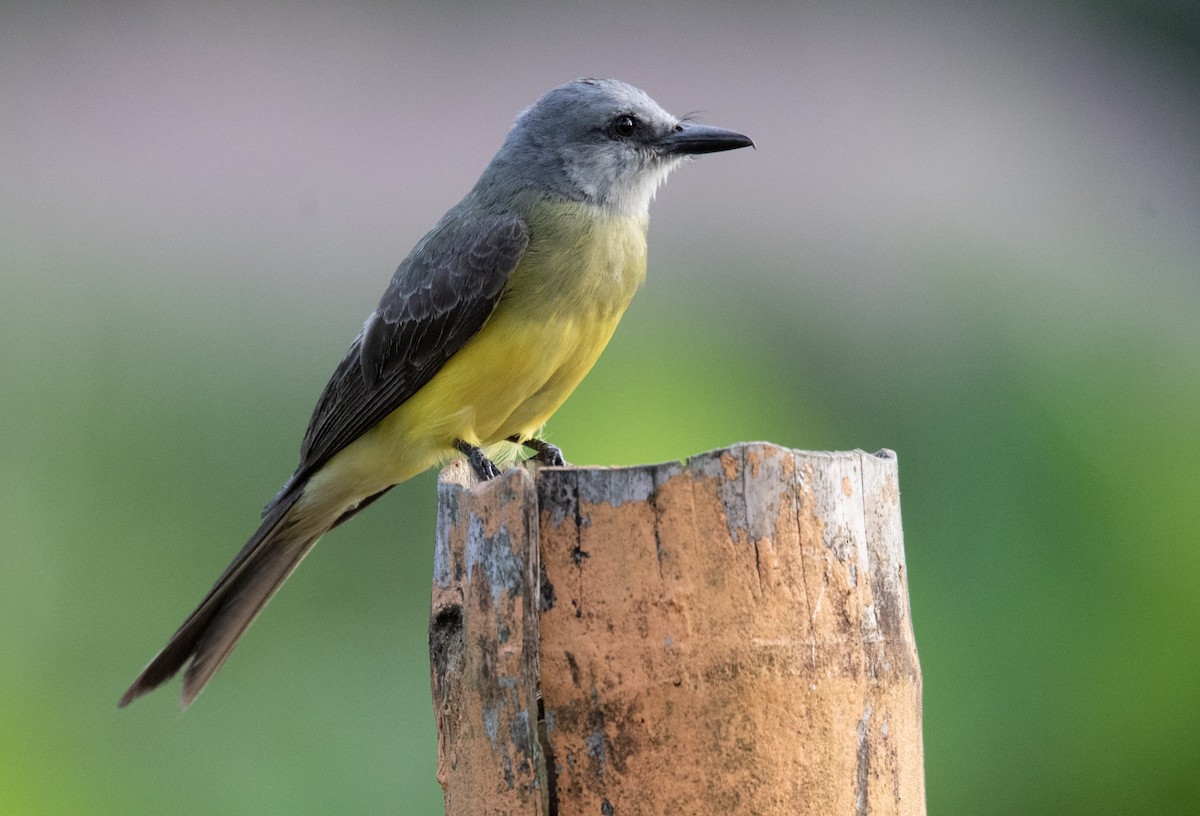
column 440, row 297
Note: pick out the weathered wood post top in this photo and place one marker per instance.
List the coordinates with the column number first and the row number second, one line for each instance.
column 729, row 635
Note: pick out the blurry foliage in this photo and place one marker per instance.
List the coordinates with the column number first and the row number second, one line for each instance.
column 1048, row 488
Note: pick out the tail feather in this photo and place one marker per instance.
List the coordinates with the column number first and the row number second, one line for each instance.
column 209, row 634
column 245, row 599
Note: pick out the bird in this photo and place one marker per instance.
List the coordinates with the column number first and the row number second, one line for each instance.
column 485, row 328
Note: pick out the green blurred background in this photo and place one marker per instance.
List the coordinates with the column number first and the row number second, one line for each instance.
column 970, row 233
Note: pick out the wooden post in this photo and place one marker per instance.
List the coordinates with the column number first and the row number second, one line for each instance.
column 726, row 636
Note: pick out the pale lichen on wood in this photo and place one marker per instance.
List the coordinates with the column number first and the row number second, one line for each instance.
column 732, row 633
column 483, row 645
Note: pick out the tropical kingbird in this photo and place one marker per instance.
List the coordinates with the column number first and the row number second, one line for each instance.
column 485, row 329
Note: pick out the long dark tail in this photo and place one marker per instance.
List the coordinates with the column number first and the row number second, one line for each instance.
column 209, row 634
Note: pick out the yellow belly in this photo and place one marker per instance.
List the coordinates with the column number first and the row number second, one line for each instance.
column 506, row 382
column 564, row 301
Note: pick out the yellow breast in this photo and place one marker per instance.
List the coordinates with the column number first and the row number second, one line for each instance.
column 562, row 305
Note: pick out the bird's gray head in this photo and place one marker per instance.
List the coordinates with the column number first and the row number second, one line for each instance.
column 600, row 141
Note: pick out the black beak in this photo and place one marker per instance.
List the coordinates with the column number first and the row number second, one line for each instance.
column 693, row 138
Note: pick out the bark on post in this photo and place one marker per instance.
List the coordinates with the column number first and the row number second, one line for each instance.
column 730, row 635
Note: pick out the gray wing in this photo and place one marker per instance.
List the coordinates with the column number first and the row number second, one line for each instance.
column 440, row 296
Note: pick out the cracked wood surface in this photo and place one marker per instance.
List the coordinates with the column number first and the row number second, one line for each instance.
column 730, row 634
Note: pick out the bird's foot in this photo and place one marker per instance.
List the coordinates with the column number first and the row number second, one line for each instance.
column 483, row 467
column 545, row 453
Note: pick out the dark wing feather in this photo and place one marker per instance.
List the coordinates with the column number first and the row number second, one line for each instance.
column 440, row 296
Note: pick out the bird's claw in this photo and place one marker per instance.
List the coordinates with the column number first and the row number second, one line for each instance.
column 484, row 468
column 544, row 452
column 551, row 456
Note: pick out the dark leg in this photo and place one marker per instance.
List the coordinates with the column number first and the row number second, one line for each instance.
column 547, row 454
column 482, row 466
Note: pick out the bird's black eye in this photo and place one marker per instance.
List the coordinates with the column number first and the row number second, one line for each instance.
column 624, row 126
